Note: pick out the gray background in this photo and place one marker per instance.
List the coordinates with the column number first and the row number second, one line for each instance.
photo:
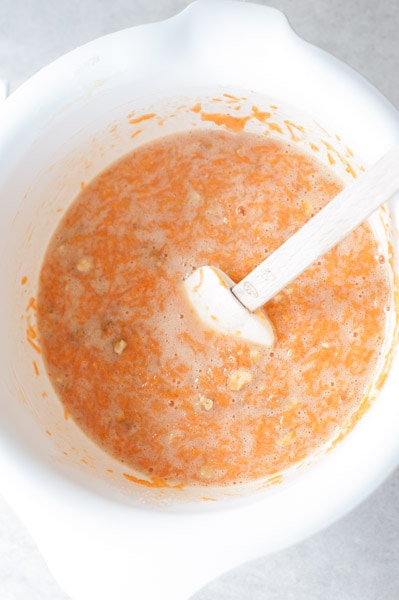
column 358, row 557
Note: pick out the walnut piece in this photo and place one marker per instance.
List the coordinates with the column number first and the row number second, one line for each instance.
column 84, row 264
column 119, row 347
column 205, row 403
column 238, row 379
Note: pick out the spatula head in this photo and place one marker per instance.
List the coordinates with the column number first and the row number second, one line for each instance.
column 209, row 292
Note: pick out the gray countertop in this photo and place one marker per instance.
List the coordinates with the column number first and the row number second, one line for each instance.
column 358, row 557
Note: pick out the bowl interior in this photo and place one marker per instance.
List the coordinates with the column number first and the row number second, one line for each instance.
column 72, row 148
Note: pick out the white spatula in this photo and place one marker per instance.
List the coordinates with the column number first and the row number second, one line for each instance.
column 235, row 309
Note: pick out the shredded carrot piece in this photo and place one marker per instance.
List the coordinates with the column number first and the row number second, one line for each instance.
column 261, row 116
column 196, row 108
column 31, row 304
column 155, row 482
column 142, row 118
column 34, row 345
column 231, row 123
column 136, row 133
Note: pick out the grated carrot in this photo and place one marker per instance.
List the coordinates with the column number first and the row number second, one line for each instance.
column 219, row 197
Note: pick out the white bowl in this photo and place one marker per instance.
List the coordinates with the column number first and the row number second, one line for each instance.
column 102, row 535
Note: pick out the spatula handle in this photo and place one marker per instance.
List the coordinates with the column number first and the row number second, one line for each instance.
column 335, row 221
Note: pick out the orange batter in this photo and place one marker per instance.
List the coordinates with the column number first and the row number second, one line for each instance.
column 128, row 357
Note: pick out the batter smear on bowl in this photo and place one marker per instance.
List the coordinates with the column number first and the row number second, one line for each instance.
column 129, row 358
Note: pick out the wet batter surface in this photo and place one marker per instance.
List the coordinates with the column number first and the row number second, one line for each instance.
column 129, row 358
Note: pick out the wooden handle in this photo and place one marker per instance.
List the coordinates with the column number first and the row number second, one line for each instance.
column 336, row 220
